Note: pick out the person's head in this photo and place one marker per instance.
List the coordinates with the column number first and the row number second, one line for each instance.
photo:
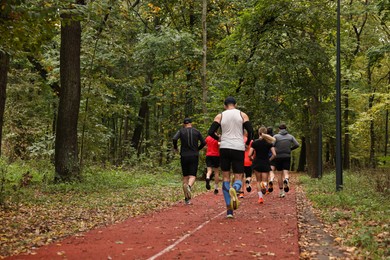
column 282, row 127
column 187, row 122
column 270, row 131
column 229, row 102
column 262, row 130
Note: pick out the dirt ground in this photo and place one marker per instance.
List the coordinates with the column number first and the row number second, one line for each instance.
column 281, row 228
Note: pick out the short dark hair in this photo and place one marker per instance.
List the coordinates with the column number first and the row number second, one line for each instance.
column 282, row 126
column 187, row 120
column 230, row 100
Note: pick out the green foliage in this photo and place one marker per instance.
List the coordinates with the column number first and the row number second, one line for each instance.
column 359, row 213
column 276, row 57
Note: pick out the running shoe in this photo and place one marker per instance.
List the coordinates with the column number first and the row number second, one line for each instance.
column 216, row 191
column 282, row 194
column 187, row 192
column 263, row 188
column 248, row 186
column 234, row 202
column 241, row 195
column 187, row 201
column 208, row 187
column 270, row 186
column 260, row 201
column 229, row 213
column 285, row 185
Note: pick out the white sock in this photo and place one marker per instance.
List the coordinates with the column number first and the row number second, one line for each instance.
column 260, row 194
column 216, row 186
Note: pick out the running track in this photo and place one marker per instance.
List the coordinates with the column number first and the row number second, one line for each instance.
column 198, row 231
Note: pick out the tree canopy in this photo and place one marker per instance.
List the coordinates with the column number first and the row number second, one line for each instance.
column 141, row 74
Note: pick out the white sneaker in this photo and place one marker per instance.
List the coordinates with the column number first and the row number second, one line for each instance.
column 282, row 194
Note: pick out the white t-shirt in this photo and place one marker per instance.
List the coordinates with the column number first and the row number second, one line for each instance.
column 232, row 130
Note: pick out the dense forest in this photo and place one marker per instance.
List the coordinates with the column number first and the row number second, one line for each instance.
column 108, row 82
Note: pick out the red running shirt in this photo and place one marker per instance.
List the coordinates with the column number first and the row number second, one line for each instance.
column 247, row 161
column 212, row 146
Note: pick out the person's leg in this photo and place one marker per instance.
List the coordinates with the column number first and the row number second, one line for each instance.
column 258, row 186
column 190, row 176
column 186, row 190
column 226, row 194
column 185, row 171
column 286, row 168
column 286, row 181
column 279, row 175
column 264, row 180
column 209, row 171
column 225, row 168
column 216, row 179
column 238, row 168
column 248, row 178
column 208, row 176
column 271, row 179
column 241, row 191
column 191, row 180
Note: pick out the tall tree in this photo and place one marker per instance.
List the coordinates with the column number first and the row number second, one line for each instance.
column 4, row 65
column 66, row 149
column 204, row 58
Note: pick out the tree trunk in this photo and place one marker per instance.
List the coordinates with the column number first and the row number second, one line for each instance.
column 346, row 152
column 302, row 156
column 4, row 65
column 66, row 150
column 370, row 105
column 204, row 58
column 142, row 113
column 314, row 138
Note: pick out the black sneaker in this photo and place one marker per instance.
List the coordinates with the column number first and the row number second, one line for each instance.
column 270, row 186
column 285, row 185
column 216, row 191
column 248, row 186
column 208, row 187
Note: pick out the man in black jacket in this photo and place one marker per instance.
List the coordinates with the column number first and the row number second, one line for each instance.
column 191, row 141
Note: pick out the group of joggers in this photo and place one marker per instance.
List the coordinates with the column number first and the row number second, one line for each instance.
column 231, row 148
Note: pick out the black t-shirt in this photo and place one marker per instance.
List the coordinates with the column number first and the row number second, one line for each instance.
column 262, row 148
column 191, row 141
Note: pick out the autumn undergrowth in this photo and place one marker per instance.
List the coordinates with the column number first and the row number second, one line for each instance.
column 359, row 214
column 35, row 211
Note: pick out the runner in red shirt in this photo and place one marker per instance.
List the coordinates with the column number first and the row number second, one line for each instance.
column 212, row 162
column 247, row 167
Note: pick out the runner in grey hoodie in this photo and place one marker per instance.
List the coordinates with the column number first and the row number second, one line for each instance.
column 284, row 144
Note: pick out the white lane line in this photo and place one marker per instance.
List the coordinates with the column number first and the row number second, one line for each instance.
column 167, row 249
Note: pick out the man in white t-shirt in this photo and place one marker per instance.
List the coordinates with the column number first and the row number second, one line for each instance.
column 232, row 148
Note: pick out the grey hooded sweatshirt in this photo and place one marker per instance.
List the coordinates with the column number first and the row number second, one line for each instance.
column 284, row 144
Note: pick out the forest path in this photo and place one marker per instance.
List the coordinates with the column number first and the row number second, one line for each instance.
column 197, row 231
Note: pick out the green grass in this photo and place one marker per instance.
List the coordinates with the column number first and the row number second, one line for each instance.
column 359, row 213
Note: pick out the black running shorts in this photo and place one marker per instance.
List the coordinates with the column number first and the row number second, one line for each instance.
column 262, row 165
column 212, row 161
column 189, row 165
column 232, row 159
column 282, row 163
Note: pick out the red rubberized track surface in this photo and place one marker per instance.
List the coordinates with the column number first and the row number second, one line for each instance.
column 197, row 231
